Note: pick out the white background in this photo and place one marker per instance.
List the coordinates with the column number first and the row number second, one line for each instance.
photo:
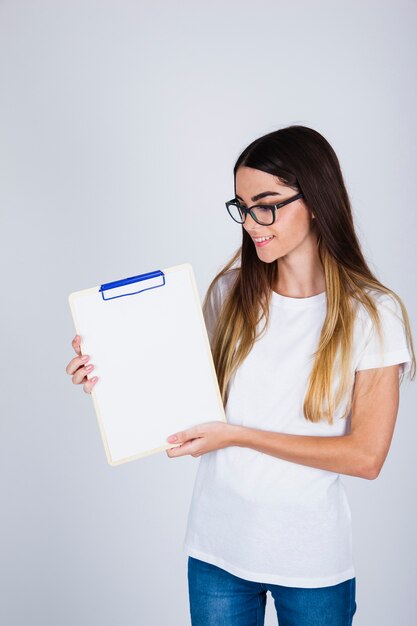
column 120, row 123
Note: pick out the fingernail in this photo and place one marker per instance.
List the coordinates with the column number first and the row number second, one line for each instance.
column 172, row 438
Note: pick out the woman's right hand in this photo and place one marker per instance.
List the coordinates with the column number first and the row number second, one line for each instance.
column 78, row 368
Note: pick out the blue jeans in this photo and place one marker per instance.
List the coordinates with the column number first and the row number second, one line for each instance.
column 218, row 598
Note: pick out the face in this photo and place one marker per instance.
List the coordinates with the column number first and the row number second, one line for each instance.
column 294, row 224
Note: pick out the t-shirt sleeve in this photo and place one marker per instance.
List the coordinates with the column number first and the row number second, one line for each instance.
column 394, row 348
column 211, row 311
column 215, row 301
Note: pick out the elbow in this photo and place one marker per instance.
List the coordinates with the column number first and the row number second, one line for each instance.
column 371, row 469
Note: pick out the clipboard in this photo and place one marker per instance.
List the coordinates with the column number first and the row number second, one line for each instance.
column 148, row 342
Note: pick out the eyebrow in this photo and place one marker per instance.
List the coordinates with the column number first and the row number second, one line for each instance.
column 262, row 195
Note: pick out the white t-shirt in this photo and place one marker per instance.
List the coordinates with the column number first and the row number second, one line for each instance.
column 260, row 517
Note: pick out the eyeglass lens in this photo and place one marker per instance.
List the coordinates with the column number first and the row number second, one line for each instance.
column 263, row 215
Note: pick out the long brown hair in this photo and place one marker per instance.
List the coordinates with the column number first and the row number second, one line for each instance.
column 305, row 161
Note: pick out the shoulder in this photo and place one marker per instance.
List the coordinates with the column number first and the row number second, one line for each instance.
column 227, row 280
column 223, row 284
column 388, row 344
column 387, row 306
column 215, row 296
column 390, row 320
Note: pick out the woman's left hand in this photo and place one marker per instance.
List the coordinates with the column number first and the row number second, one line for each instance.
column 201, row 439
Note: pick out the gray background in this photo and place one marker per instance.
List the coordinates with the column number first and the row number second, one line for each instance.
column 119, row 126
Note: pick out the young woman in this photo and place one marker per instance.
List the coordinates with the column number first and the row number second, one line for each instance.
column 310, row 349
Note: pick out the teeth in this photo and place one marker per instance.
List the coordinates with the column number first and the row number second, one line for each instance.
column 259, row 239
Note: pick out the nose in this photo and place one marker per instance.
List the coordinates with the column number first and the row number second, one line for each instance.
column 250, row 223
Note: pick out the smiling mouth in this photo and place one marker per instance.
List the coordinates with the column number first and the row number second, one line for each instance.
column 262, row 242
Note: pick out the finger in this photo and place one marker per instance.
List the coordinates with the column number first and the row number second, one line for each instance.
column 89, row 384
column 76, row 344
column 184, row 435
column 175, row 447
column 76, row 362
column 81, row 373
column 185, row 448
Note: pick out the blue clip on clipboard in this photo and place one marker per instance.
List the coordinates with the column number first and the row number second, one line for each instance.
column 152, row 356
column 129, row 281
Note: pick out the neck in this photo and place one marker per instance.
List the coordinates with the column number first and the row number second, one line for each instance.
column 300, row 273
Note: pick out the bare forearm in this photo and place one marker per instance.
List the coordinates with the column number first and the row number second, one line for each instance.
column 340, row 454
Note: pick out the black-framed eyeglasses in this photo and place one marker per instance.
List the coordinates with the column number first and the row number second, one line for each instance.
column 262, row 213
